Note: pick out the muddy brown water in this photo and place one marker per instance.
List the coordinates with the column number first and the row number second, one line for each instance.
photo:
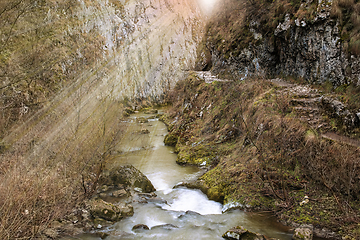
column 178, row 213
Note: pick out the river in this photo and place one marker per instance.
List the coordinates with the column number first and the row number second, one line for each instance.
column 177, row 213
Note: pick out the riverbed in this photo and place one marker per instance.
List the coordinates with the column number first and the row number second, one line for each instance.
column 176, row 213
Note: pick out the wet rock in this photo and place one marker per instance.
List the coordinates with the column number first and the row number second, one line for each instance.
column 303, row 232
column 140, row 227
column 119, row 193
column 171, row 139
column 192, row 213
column 128, row 176
column 102, row 235
column 118, row 234
column 144, row 131
column 189, row 213
column 107, row 211
column 151, row 111
column 99, row 223
column 165, row 227
column 160, row 115
column 142, row 120
column 129, row 110
column 241, row 233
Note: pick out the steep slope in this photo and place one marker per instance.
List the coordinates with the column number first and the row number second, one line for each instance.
column 140, row 48
column 67, row 69
column 314, row 40
column 262, row 144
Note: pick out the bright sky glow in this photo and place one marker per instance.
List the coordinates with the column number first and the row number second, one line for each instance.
column 207, row 5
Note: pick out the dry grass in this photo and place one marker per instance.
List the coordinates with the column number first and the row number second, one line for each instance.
column 53, row 156
column 272, row 152
column 347, row 11
column 37, row 58
column 54, row 160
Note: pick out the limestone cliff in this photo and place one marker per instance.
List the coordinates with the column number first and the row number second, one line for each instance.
column 132, row 48
column 314, row 40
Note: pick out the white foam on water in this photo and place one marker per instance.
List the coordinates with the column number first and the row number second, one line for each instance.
column 192, row 200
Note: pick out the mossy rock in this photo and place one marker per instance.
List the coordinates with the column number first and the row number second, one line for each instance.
column 171, row 139
column 200, row 155
column 99, row 209
column 150, row 111
column 142, row 120
column 128, row 176
column 215, row 194
column 128, row 111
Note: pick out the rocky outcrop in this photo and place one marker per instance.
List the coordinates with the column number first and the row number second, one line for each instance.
column 110, row 204
column 108, row 211
column 127, row 176
column 312, row 49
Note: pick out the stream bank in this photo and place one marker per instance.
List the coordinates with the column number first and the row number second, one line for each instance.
column 263, row 153
column 172, row 211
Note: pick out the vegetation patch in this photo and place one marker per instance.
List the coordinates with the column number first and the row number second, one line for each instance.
column 264, row 157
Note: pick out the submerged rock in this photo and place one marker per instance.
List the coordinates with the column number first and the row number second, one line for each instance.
column 142, row 120
column 241, row 233
column 165, row 227
column 144, row 131
column 151, row 111
column 140, row 227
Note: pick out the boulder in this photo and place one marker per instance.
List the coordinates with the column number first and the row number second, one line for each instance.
column 142, row 120
column 171, row 139
column 303, row 232
column 140, row 227
column 338, row 110
column 108, row 211
column 241, row 233
column 165, row 227
column 150, row 111
column 144, row 131
column 127, row 176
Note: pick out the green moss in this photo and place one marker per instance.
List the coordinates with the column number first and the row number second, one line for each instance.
column 171, row 139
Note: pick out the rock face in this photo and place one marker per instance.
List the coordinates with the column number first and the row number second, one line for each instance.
column 312, row 50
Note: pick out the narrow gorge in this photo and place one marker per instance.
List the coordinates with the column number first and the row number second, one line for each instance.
column 179, row 119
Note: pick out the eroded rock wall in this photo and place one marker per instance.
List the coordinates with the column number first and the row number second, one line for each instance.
column 117, row 48
column 312, row 49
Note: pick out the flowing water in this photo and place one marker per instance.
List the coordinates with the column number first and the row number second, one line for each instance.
column 177, row 213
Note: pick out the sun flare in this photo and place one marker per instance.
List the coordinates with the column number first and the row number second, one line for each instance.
column 207, row 5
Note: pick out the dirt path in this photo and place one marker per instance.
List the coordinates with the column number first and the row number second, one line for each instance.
column 340, row 138
column 307, row 103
